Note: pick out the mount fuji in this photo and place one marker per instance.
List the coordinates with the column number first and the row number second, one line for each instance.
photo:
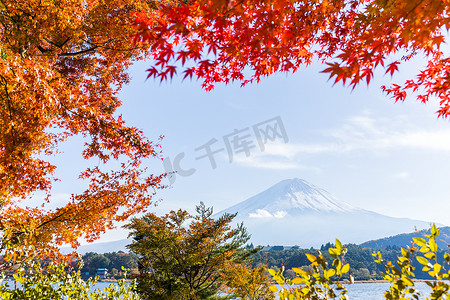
column 295, row 212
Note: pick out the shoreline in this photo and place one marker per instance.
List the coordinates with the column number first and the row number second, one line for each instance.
column 114, row 280
column 373, row 281
column 384, row 281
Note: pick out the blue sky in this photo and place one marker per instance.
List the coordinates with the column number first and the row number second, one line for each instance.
column 392, row 158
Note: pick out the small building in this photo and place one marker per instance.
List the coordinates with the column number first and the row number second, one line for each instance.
column 101, row 273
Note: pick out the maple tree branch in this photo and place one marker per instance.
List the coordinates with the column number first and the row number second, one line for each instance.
column 42, row 49
column 419, row 3
column 79, row 52
column 212, row 281
column 93, row 47
column 124, row 49
column 57, row 45
column 103, row 46
column 87, row 196
column 205, row 269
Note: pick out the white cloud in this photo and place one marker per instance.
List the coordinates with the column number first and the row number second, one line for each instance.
column 280, row 214
column 262, row 213
column 365, row 133
column 358, row 133
column 401, row 175
column 431, row 140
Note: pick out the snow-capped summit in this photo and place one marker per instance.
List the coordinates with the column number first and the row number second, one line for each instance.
column 289, row 197
column 295, row 212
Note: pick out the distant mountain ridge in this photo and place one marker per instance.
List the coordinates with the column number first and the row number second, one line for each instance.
column 405, row 239
column 295, row 212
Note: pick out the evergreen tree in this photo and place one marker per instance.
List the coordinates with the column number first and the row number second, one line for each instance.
column 183, row 256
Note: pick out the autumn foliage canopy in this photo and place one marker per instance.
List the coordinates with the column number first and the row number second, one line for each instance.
column 220, row 41
column 62, row 64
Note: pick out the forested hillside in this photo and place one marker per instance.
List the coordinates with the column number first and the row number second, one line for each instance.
column 362, row 262
column 403, row 240
column 113, row 261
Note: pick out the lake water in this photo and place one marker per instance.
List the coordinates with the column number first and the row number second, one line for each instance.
column 375, row 291
column 357, row 291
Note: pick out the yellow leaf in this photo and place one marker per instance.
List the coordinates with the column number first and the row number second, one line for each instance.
column 298, row 271
column 345, row 268
column 273, row 288
column 433, row 245
column 311, row 257
column 430, row 255
column 422, row 260
column 330, row 272
column 338, row 244
column 420, row 241
column 297, row 280
column 437, row 268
